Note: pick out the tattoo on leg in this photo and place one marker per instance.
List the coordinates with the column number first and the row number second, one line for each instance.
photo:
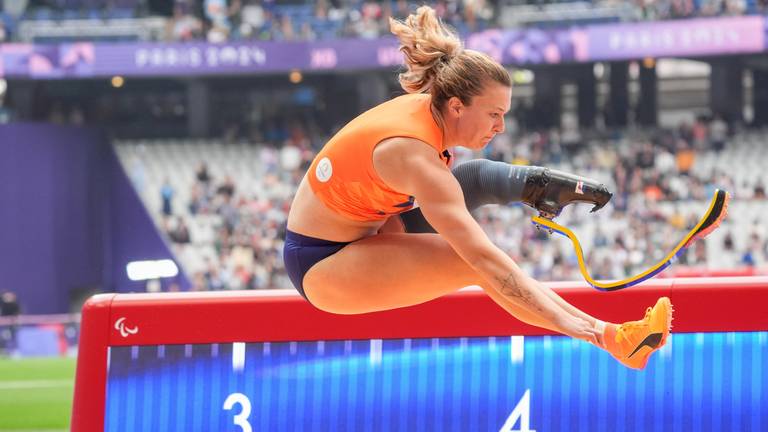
column 511, row 287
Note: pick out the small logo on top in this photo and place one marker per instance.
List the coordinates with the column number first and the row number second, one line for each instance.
column 324, row 170
column 124, row 330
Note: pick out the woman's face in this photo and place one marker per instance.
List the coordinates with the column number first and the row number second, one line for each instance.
column 476, row 124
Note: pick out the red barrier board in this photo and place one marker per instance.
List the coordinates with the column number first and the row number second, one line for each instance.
column 701, row 305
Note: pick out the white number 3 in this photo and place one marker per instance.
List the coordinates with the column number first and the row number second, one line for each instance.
column 242, row 418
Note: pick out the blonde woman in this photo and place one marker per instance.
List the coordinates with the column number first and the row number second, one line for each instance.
column 349, row 251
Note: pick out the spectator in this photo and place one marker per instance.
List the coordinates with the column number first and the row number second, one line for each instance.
column 180, row 232
column 217, row 11
column 198, row 200
column 201, row 174
column 685, row 157
column 728, row 257
column 718, row 133
column 198, row 282
column 9, row 304
column 184, row 26
column 700, row 133
column 166, row 195
column 227, row 188
column 9, row 308
column 760, row 190
column 252, row 19
column 138, row 174
column 753, row 257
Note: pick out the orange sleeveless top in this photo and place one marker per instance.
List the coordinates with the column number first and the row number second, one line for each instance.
column 342, row 174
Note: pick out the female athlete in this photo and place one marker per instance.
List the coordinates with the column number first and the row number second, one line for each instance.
column 348, row 247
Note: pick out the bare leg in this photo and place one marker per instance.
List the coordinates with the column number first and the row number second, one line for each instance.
column 395, row 225
column 393, row 270
column 488, row 182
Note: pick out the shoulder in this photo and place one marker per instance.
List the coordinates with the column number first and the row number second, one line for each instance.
column 400, row 161
column 405, row 150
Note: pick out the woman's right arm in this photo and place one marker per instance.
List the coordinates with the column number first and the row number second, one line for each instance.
column 414, row 167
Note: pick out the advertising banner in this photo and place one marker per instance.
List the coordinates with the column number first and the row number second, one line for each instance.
column 531, row 46
column 696, row 37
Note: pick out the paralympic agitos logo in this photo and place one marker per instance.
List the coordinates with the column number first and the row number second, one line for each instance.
column 124, row 330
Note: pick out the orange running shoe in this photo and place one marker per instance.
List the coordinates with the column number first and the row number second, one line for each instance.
column 633, row 342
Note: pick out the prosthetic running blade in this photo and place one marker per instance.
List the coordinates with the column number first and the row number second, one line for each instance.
column 718, row 209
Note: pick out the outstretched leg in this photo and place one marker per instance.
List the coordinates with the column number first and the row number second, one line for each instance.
column 488, row 182
column 389, row 271
column 393, row 270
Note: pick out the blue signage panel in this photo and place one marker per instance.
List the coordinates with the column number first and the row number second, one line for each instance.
column 701, row 381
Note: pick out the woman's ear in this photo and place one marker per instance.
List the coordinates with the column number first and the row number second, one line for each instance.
column 455, row 106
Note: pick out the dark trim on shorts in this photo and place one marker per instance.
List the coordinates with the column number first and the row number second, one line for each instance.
column 301, row 252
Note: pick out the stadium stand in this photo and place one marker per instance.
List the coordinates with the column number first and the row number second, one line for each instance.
column 233, row 230
column 216, row 21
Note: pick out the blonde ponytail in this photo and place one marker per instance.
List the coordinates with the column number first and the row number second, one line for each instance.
column 426, row 43
column 437, row 63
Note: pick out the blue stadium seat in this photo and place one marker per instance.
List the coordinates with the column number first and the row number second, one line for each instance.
column 39, row 14
column 70, row 14
column 325, row 29
column 94, row 14
column 120, row 13
column 10, row 25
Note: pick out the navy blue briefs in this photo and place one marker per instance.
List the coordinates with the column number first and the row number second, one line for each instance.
column 300, row 253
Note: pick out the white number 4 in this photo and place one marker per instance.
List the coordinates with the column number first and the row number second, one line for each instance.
column 521, row 412
column 242, row 418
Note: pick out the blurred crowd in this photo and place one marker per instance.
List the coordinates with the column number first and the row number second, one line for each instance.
column 276, row 20
column 247, row 243
column 677, row 9
column 649, row 173
column 307, row 21
column 657, row 164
